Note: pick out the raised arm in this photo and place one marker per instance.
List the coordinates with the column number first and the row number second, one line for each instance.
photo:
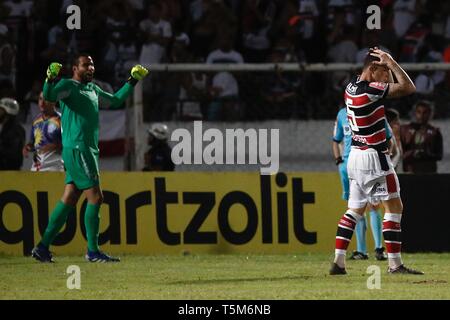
column 404, row 85
column 116, row 100
column 55, row 90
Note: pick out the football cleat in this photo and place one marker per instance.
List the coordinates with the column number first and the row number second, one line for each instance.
column 356, row 255
column 100, row 257
column 336, row 270
column 404, row 270
column 380, row 255
column 42, row 254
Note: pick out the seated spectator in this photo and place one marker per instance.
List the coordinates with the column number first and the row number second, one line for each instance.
column 193, row 98
column 421, row 142
column 45, row 139
column 224, row 88
column 159, row 156
column 12, row 135
column 280, row 89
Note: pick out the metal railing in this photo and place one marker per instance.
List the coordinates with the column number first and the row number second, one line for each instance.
column 289, row 67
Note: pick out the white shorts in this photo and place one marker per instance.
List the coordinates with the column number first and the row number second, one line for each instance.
column 368, row 182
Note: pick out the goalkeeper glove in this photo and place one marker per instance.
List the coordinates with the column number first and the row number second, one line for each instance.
column 138, row 72
column 53, row 70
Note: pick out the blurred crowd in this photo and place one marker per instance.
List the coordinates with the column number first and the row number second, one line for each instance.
column 120, row 33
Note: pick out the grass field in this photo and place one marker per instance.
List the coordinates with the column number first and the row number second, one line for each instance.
column 273, row 277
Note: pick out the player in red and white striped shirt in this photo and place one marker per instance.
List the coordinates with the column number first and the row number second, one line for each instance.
column 371, row 173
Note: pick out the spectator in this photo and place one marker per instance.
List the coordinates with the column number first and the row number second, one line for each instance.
column 31, row 108
column 210, row 19
column 340, row 13
column 193, row 98
column 224, row 88
column 370, row 39
column 156, row 34
column 7, row 57
column 120, row 53
column 424, row 85
column 138, row 8
column 19, row 8
column 421, row 142
column 4, row 11
column 45, row 139
column 57, row 51
column 280, row 89
column 159, row 156
column 344, row 51
column 413, row 40
column 12, row 135
column 192, row 94
column 405, row 14
column 171, row 11
column 256, row 23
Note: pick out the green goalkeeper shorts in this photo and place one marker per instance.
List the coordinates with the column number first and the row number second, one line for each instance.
column 81, row 168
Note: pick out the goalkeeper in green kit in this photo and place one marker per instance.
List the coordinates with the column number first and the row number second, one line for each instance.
column 79, row 100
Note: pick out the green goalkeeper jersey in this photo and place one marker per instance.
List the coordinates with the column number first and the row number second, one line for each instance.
column 79, row 110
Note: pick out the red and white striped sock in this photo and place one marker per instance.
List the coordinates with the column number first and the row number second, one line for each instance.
column 392, row 237
column 344, row 234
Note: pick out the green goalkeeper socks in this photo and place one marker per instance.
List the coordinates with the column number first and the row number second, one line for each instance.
column 92, row 223
column 57, row 220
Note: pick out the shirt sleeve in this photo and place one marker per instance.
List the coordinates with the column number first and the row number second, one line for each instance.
column 116, row 100
column 54, row 91
column 338, row 133
column 377, row 90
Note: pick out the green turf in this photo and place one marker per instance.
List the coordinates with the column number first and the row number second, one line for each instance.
column 303, row 276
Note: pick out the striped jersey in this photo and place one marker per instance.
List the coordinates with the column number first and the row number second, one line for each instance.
column 365, row 113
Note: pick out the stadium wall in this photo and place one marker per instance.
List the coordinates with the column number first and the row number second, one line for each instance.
column 174, row 213
column 201, row 213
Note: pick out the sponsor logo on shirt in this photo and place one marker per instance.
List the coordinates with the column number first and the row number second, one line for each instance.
column 347, row 130
column 378, row 85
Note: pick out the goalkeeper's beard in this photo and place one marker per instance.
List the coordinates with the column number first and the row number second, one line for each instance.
column 87, row 77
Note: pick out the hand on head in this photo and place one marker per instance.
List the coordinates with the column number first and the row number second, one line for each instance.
column 385, row 58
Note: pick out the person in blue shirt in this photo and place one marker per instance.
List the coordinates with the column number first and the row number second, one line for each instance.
column 343, row 134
